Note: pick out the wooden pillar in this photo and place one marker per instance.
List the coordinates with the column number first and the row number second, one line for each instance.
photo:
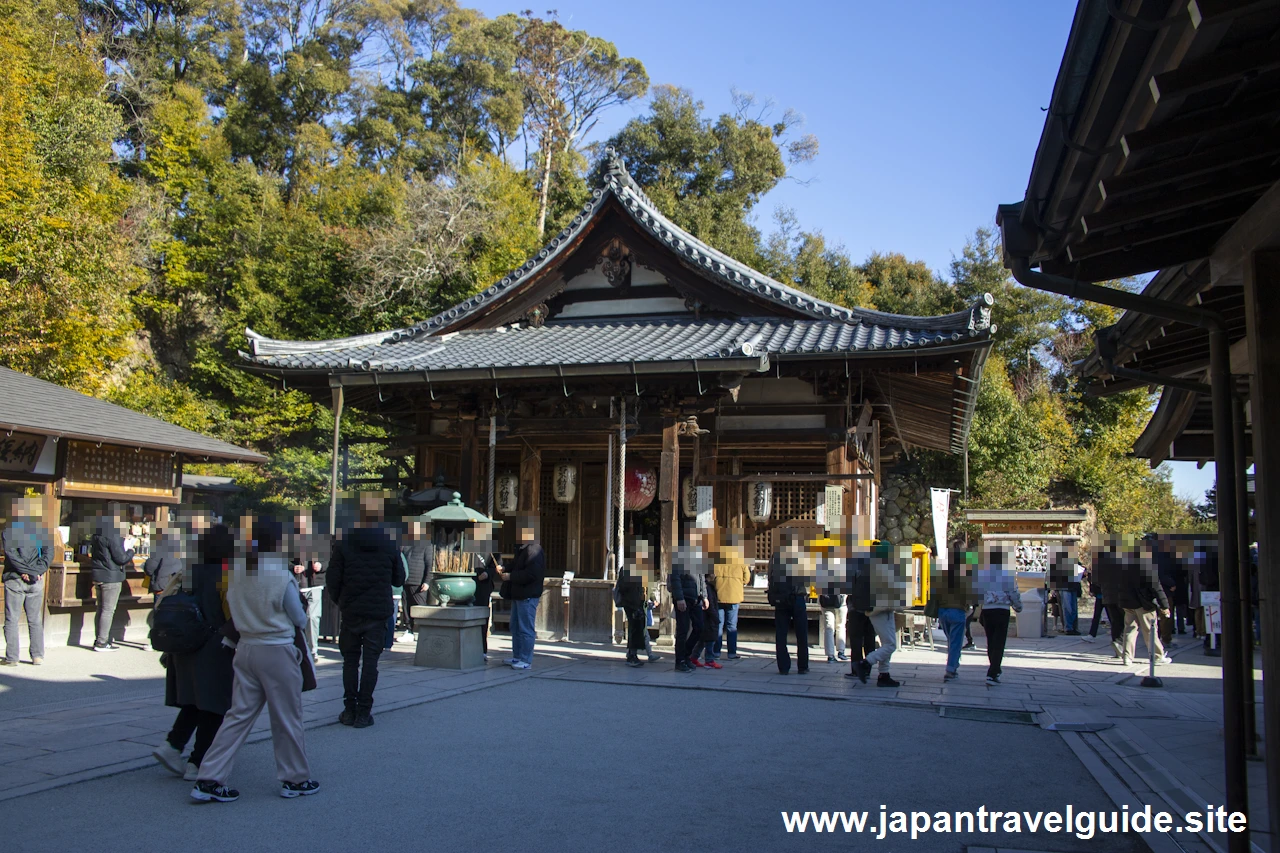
column 573, row 531
column 669, row 534
column 669, row 491
column 469, row 461
column 333, row 471
column 1262, row 307
column 737, row 519
column 530, row 481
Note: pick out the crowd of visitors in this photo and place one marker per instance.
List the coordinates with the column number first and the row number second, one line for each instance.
column 238, row 610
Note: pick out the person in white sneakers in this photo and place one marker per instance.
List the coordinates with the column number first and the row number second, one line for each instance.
column 267, row 610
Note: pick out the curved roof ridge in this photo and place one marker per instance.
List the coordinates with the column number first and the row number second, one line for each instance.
column 619, row 183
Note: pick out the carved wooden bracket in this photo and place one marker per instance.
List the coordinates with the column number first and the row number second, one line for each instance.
column 617, row 263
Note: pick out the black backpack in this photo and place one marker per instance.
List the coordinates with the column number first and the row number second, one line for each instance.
column 178, row 625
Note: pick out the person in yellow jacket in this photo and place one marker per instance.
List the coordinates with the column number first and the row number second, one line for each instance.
column 732, row 574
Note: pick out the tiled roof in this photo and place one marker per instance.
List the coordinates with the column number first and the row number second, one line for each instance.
column 619, row 184
column 603, row 342
column 718, row 267
column 28, row 404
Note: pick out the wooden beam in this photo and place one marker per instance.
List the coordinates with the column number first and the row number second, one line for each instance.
column 669, row 493
column 1217, row 160
column 1251, row 184
column 1257, row 229
column 786, row 478
column 1199, row 125
column 529, row 499
column 469, row 461
column 1215, row 69
column 1262, row 307
column 1204, row 12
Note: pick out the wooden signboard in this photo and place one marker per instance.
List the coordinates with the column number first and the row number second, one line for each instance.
column 20, row 452
column 125, row 473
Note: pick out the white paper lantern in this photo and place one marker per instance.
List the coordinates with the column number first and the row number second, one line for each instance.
column 688, row 497
column 761, row 501
column 508, row 486
column 565, row 482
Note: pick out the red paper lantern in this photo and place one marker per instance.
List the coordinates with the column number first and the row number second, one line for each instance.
column 640, row 488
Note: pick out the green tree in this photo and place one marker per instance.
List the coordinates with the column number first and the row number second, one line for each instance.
column 570, row 77
column 706, row 175
column 65, row 253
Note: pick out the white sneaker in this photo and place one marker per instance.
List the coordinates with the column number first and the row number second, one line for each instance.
column 408, row 637
column 510, row 661
column 1164, row 659
column 521, row 665
column 486, row 658
column 171, row 759
column 193, row 772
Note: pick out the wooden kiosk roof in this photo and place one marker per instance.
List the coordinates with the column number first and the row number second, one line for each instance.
column 31, row 405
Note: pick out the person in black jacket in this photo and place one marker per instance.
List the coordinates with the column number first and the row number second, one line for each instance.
column 28, row 546
column 788, row 592
column 1106, row 574
column 199, row 683
column 1142, row 597
column 365, row 565
column 419, row 556
column 686, row 584
column 527, row 573
column 629, row 593
column 109, row 560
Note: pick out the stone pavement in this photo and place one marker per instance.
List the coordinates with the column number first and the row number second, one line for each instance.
column 87, row 715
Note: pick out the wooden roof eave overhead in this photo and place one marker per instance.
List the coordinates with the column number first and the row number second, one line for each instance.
column 1162, row 131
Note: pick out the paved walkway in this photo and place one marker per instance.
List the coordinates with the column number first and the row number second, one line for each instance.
column 88, row 715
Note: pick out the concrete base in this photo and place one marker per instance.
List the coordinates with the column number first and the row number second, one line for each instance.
column 449, row 637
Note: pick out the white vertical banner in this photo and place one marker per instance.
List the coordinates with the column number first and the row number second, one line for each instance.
column 706, row 507
column 941, row 501
column 832, row 507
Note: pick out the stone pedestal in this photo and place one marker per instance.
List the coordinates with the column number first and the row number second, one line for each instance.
column 449, row 637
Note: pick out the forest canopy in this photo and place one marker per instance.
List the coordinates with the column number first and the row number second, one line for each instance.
column 174, row 172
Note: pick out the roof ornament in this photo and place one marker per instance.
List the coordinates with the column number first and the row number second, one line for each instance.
column 617, row 264
column 980, row 313
column 614, row 167
column 537, row 315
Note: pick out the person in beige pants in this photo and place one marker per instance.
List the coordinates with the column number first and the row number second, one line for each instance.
column 266, row 608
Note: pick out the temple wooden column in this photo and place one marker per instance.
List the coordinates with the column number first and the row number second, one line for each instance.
column 469, row 461
column 669, row 502
column 1262, row 307
column 530, row 482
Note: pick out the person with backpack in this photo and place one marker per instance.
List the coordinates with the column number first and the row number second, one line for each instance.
column 198, row 682
column 879, row 579
column 269, row 616
column 629, row 594
column 950, row 596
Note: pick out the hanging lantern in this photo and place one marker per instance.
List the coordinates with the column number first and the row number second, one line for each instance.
column 566, row 482
column 508, row 487
column 688, row 497
column 761, row 501
column 641, row 487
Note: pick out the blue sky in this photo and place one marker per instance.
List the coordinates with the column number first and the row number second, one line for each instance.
column 928, row 113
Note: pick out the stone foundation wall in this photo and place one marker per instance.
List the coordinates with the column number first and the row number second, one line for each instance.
column 905, row 514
